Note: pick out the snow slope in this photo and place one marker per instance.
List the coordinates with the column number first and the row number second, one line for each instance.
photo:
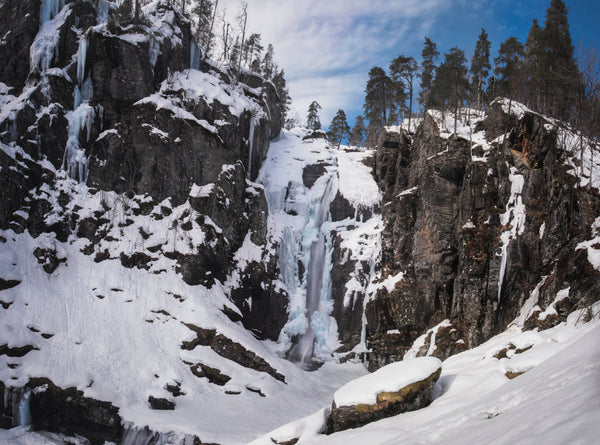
column 556, row 400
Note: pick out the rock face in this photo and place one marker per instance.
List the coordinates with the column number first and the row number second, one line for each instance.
column 64, row 411
column 19, row 22
column 412, row 396
column 135, row 123
column 475, row 228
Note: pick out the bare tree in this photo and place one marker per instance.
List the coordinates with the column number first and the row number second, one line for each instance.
column 243, row 21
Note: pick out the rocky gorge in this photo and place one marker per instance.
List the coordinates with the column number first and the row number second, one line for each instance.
column 165, row 242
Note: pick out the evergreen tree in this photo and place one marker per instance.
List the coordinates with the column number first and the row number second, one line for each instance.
column 509, row 68
column 558, row 64
column 429, row 55
column 480, row 66
column 252, row 47
column 282, row 91
column 205, row 13
column 124, row 12
column 313, row 122
column 357, row 135
column 339, row 128
column 451, row 85
column 234, row 55
column 267, row 63
column 381, row 95
column 532, row 72
column 404, row 69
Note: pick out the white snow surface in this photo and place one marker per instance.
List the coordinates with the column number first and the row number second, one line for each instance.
column 556, row 400
column 390, row 378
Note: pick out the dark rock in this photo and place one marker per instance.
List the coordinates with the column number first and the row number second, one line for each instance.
column 137, row 259
column 311, row 173
column 17, row 351
column 161, row 404
column 8, row 284
column 67, row 411
column 229, row 349
column 19, row 22
column 315, row 134
column 48, row 258
column 212, row 374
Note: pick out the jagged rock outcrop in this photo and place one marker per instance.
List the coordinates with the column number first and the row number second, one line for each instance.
column 474, row 227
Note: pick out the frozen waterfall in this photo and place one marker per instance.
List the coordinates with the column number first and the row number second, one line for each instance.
column 317, row 256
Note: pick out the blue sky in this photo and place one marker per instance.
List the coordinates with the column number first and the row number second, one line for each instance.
column 327, row 47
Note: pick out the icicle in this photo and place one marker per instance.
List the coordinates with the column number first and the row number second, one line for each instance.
column 250, row 146
column 81, row 58
column 50, row 9
column 24, row 412
column 195, row 55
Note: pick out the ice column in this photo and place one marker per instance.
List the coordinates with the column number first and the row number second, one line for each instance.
column 250, row 146
column 75, row 162
column 50, row 9
column 317, row 285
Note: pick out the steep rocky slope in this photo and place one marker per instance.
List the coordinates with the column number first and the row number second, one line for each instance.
column 479, row 224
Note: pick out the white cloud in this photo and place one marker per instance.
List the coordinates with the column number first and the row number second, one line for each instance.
column 318, row 42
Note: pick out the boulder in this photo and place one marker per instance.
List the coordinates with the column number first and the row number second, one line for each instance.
column 391, row 390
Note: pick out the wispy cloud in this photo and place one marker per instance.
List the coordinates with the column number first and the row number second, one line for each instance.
column 327, row 47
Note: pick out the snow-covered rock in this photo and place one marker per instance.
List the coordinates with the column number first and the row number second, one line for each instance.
column 391, row 390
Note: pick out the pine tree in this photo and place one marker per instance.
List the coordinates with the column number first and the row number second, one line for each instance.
column 509, row 68
column 204, row 12
column 357, row 135
column 252, row 47
column 339, row 128
column 429, row 55
column 558, row 64
column 480, row 66
column 532, row 72
column 404, row 69
column 381, row 95
column 313, row 122
column 451, row 85
column 234, row 55
column 282, row 90
column 267, row 63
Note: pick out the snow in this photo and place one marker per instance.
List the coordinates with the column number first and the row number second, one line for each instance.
column 203, row 191
column 122, row 347
column 390, row 378
column 555, row 401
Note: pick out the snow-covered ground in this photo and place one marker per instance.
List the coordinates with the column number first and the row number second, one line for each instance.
column 555, row 401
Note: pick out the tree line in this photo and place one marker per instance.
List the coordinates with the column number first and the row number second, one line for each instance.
column 230, row 44
column 543, row 73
